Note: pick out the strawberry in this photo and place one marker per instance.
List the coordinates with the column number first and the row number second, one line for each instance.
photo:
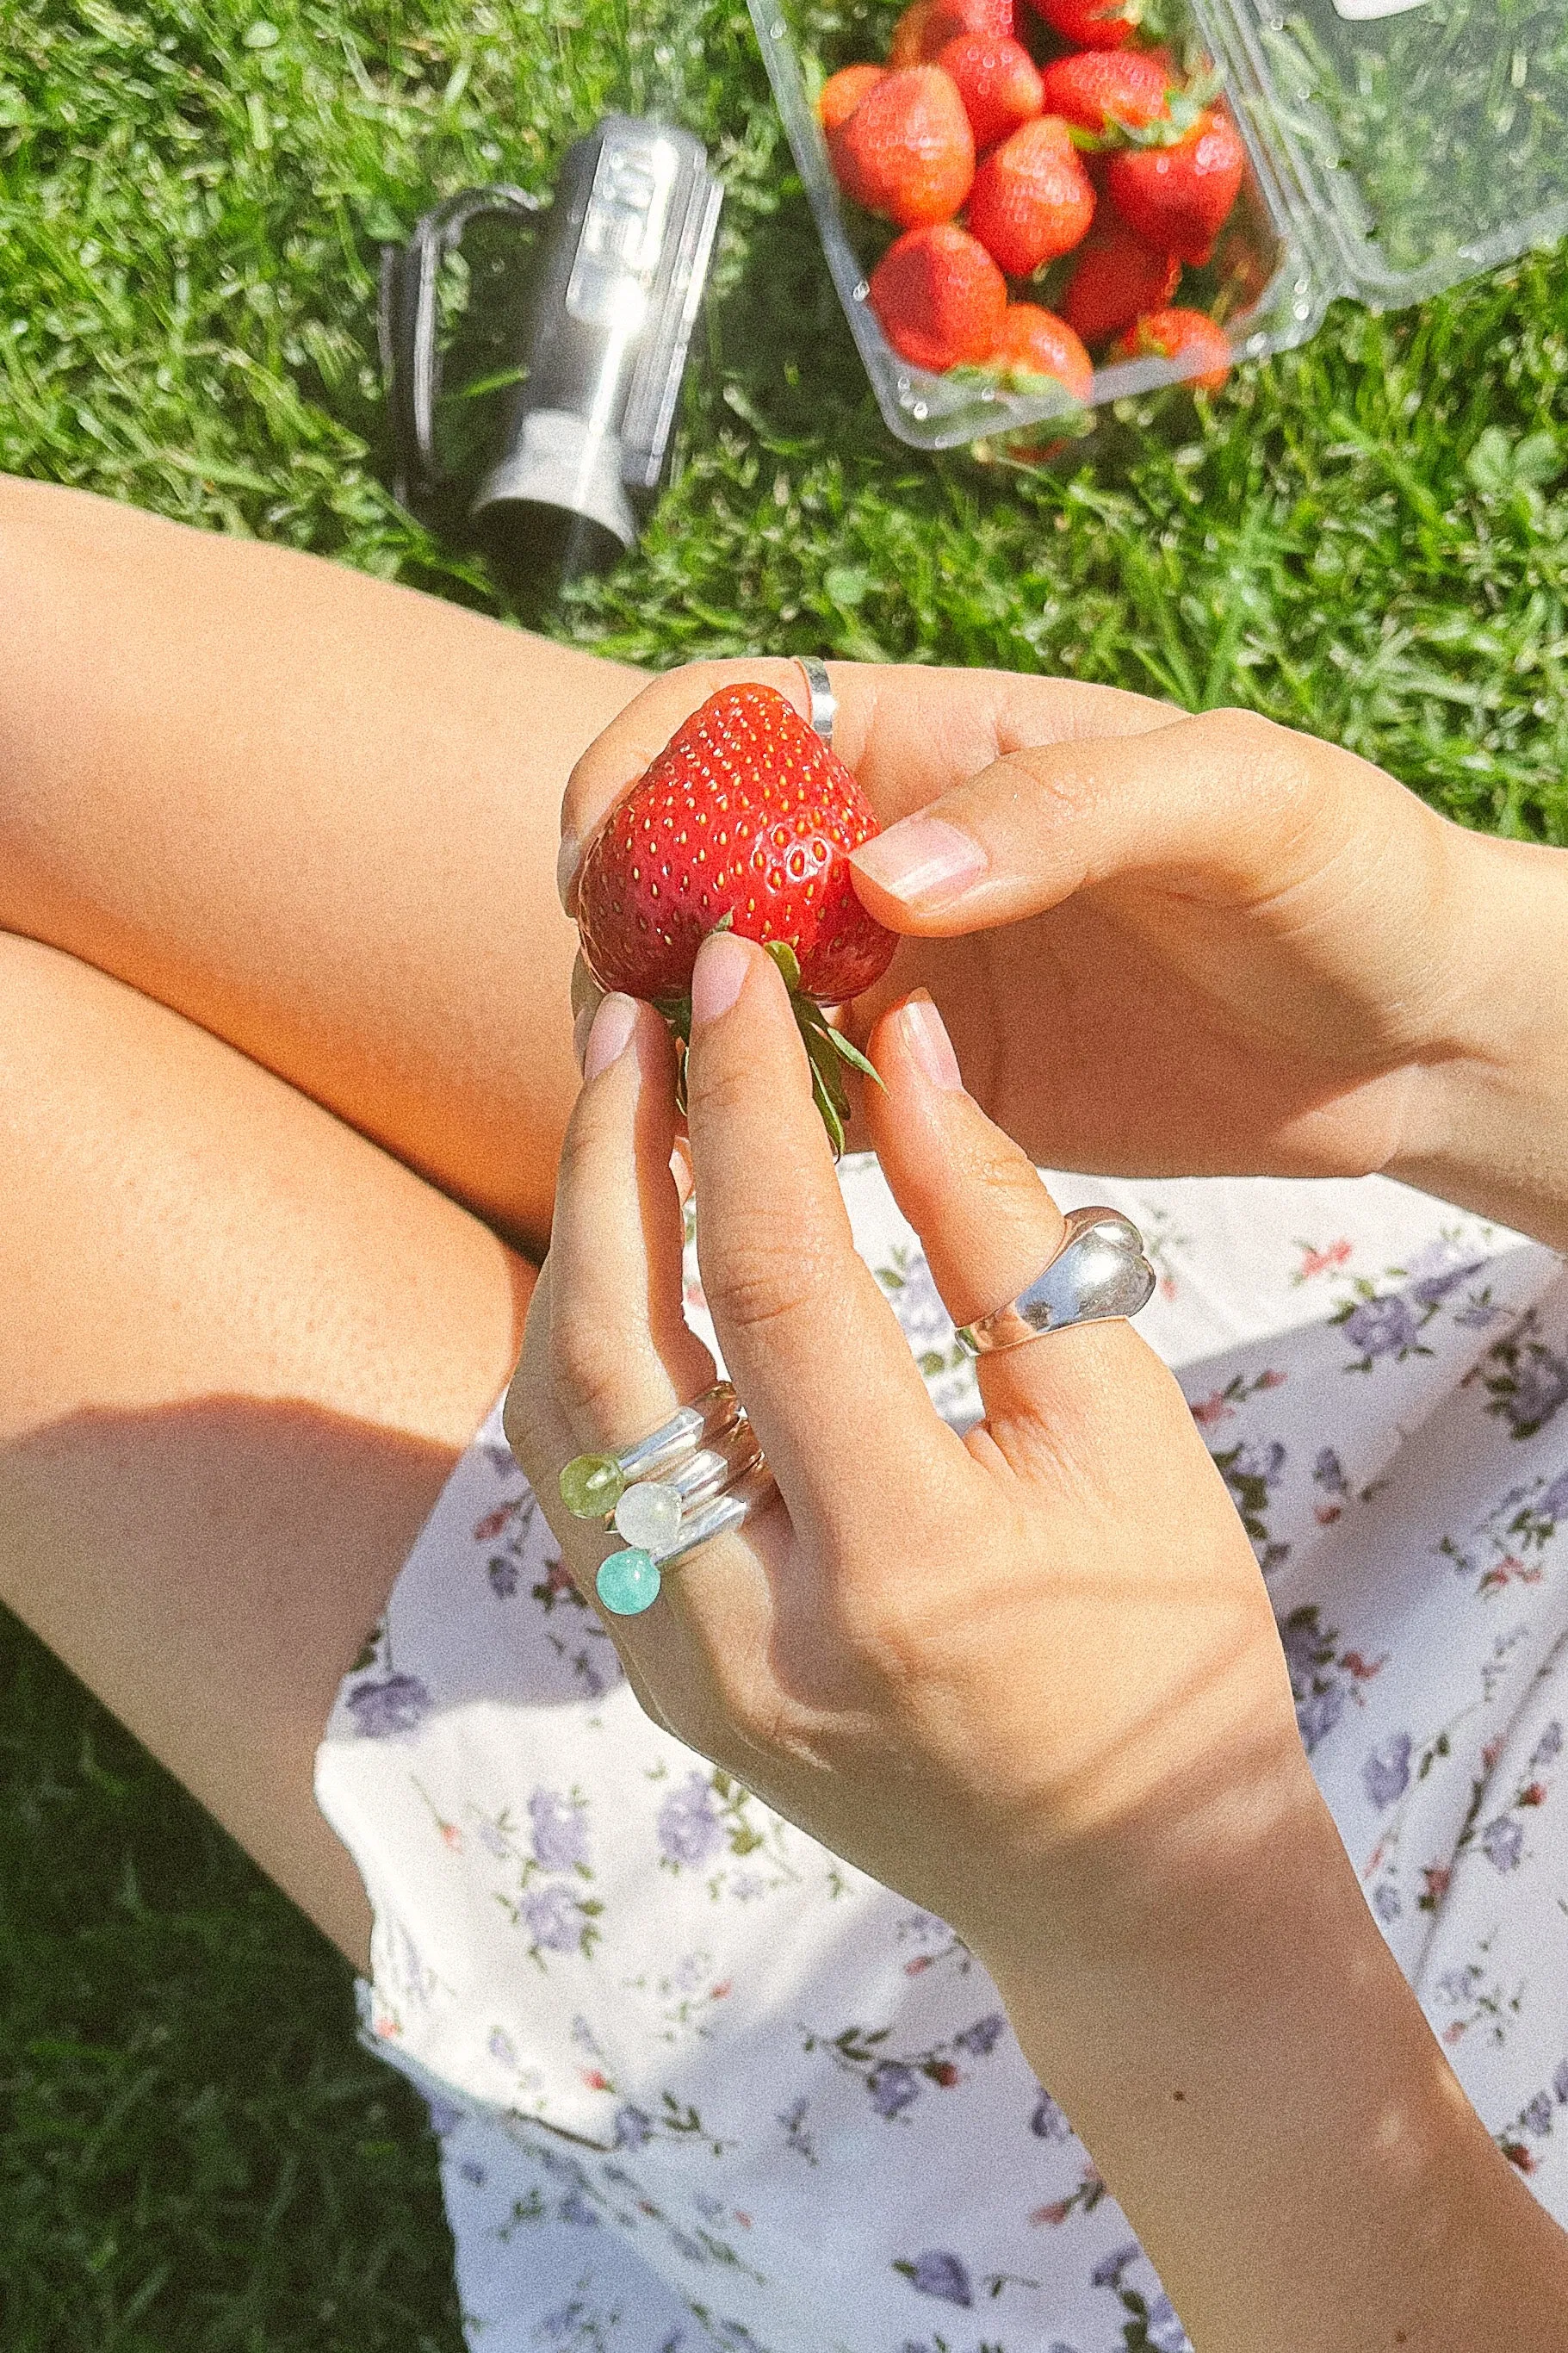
column 1099, row 23
column 841, row 93
column 906, row 151
column 1196, row 342
column 922, row 31
column 1178, row 196
column 998, row 81
column 939, row 296
column 1107, row 89
column 744, row 822
column 1031, row 198
column 1117, row 276
column 1035, row 343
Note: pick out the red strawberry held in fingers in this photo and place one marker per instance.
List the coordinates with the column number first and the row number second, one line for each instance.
column 998, row 81
column 744, row 822
column 1179, row 195
column 939, row 297
column 905, row 151
column 1107, row 89
column 1031, row 198
column 1117, row 276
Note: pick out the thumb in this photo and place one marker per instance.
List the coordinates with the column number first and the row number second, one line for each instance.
column 1227, row 808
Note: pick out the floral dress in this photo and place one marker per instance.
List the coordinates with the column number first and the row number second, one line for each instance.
column 699, row 2084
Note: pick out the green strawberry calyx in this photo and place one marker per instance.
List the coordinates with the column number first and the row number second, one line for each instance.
column 828, row 1050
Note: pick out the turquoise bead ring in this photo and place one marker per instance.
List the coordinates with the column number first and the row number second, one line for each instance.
column 699, row 1475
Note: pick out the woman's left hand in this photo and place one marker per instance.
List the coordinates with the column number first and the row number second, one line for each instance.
column 1004, row 1674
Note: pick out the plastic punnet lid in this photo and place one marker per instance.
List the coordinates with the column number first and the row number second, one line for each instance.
column 1430, row 136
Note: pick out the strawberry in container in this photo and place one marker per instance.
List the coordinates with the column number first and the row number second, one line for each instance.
column 1049, row 198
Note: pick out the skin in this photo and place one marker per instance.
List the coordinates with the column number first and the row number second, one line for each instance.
column 1141, row 1859
column 282, row 1087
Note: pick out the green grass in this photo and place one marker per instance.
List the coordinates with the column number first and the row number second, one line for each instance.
column 1368, row 538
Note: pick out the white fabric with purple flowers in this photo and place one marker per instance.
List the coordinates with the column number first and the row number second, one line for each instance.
column 699, row 2084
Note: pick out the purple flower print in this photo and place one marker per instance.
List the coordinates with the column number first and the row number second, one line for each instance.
column 1317, row 1715
column 1048, row 2123
column 1108, row 2270
column 981, row 2039
column 1328, row 1473
column 1430, row 1288
column 1386, row 1902
column 1540, row 1386
column 1382, row 1327
column 383, row 1710
column 1458, row 1984
column 1503, row 1840
column 936, row 2272
column 1537, row 2116
column 1164, row 2331
column 1253, row 1462
column 574, row 2208
column 1554, row 1504
column 893, row 2086
column 443, row 2116
column 501, row 2046
column 1560, row 2083
column 1386, row 1773
column 559, row 1832
column 689, row 1830
column 472, row 2172
column 504, row 1576
column 554, row 1919
column 634, row 2126
column 1549, row 1746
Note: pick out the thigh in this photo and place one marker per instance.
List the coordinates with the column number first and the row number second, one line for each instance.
column 241, row 1349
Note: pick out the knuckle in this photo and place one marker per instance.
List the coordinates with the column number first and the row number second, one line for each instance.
column 591, row 1372
column 771, row 1276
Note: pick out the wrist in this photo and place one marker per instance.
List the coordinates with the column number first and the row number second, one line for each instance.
column 1262, row 2095
column 1486, row 1120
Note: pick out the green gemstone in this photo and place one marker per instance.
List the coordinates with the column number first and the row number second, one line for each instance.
column 629, row 1582
column 590, row 1485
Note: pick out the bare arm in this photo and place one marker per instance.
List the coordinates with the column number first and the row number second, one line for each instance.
column 313, row 812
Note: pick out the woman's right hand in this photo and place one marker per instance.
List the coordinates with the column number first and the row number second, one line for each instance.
column 1166, row 943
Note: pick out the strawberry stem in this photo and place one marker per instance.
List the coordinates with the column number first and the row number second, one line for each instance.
column 828, row 1050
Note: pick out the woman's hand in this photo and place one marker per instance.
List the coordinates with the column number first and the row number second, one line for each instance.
column 976, row 1667
column 1171, row 944
column 1030, row 1677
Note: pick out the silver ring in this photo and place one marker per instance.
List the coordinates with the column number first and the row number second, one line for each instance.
column 824, row 702
column 719, row 1515
column 1099, row 1274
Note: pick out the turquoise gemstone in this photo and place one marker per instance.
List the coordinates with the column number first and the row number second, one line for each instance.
column 629, row 1582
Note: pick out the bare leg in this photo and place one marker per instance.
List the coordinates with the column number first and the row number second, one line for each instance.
column 241, row 1348
column 313, row 812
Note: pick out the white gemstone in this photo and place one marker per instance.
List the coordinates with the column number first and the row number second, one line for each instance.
column 649, row 1514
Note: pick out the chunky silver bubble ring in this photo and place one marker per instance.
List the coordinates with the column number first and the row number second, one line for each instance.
column 1099, row 1274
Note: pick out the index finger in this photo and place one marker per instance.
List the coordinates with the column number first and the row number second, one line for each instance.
column 907, row 731
column 826, row 1376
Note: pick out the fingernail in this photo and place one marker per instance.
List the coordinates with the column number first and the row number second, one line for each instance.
column 921, row 858
column 583, row 1022
column 611, row 1033
column 925, row 1033
column 718, row 976
column 568, row 858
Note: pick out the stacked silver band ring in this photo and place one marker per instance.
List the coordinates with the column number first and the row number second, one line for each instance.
column 699, row 1475
column 1099, row 1272
column 824, row 702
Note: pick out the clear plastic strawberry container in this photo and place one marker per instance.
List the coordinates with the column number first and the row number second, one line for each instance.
column 1395, row 147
